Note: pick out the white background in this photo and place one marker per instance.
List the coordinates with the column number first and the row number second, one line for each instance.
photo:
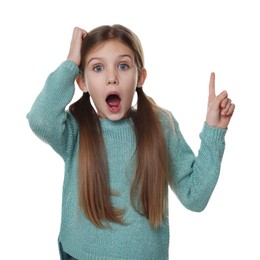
column 183, row 42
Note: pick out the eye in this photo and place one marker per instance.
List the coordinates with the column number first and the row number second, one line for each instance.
column 98, row 68
column 123, row 66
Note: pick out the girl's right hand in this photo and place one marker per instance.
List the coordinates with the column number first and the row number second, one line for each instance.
column 75, row 45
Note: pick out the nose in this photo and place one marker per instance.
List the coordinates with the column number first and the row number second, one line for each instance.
column 112, row 78
column 112, row 81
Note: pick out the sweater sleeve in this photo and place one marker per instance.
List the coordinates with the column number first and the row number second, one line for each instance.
column 48, row 118
column 195, row 177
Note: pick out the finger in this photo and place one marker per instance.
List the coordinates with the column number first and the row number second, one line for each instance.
column 224, row 102
column 219, row 99
column 231, row 110
column 226, row 108
column 212, row 92
column 84, row 34
column 76, row 31
column 79, row 33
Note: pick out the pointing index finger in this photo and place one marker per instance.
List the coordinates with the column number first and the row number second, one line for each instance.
column 212, row 92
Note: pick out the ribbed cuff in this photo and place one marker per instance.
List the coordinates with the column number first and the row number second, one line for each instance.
column 72, row 67
column 213, row 134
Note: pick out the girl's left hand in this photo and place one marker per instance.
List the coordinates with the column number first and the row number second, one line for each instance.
column 220, row 108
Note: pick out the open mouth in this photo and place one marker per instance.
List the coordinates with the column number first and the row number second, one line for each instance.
column 113, row 101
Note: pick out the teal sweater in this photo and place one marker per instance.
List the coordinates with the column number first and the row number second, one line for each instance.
column 194, row 176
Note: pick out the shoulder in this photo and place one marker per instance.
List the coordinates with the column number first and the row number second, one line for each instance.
column 167, row 119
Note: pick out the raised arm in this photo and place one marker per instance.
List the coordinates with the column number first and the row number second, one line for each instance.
column 195, row 177
column 48, row 118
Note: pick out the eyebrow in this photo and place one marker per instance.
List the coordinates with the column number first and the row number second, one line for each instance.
column 120, row 56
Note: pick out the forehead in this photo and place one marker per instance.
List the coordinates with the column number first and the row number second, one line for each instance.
column 109, row 48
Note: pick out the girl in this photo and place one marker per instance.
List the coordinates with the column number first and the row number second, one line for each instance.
column 119, row 160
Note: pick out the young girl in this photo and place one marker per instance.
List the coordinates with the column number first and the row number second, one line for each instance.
column 119, row 160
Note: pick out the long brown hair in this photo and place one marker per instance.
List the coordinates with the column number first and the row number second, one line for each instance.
column 149, row 185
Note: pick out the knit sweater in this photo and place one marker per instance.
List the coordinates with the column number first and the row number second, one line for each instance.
column 194, row 177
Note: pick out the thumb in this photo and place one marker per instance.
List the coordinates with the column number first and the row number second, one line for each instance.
column 219, row 98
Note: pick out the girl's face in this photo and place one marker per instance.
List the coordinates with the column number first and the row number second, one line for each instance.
column 111, row 77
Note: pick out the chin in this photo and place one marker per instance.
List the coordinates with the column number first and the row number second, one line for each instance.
column 115, row 117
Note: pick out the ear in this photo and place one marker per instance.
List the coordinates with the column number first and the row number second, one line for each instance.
column 81, row 82
column 141, row 77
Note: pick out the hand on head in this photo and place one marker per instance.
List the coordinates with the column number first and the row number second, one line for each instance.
column 220, row 107
column 75, row 45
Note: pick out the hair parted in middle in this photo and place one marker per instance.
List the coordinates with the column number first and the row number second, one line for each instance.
column 151, row 176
